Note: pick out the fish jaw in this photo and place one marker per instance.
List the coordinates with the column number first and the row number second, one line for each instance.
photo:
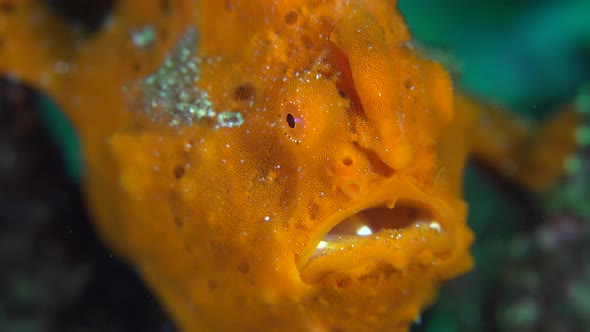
column 396, row 224
column 384, row 277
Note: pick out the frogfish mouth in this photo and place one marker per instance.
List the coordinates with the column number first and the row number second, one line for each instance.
column 387, row 231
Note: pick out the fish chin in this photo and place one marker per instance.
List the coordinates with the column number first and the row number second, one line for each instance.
column 400, row 231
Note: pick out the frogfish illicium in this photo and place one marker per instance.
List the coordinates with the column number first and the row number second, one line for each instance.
column 287, row 165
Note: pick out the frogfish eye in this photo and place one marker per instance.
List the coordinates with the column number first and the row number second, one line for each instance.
column 293, row 121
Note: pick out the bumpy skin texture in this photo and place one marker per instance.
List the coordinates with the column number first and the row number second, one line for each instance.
column 333, row 116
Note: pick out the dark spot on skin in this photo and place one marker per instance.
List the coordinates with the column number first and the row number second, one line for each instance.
column 343, row 283
column 290, row 17
column 244, row 92
column 212, row 284
column 347, row 162
column 240, row 300
column 89, row 15
column 408, row 84
column 314, row 210
column 244, row 267
column 291, row 120
column 178, row 172
column 229, row 7
column 165, row 5
column 353, row 187
column 366, row 277
column 341, row 93
column 308, row 42
column 136, row 67
column 178, row 221
column 7, row 7
column 300, row 225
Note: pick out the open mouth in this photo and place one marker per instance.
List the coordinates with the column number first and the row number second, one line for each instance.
column 401, row 234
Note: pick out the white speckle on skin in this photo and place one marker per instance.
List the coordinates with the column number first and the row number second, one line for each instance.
column 61, row 67
column 144, row 37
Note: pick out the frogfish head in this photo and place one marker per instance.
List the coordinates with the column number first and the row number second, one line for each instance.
column 313, row 184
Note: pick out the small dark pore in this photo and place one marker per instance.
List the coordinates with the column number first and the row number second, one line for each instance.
column 408, row 84
column 7, row 7
column 353, row 187
column 178, row 221
column 165, row 6
column 178, row 172
column 341, row 93
column 136, row 67
column 344, row 282
column 367, row 276
column 244, row 267
column 291, row 120
column 212, row 284
column 229, row 7
column 314, row 210
column 244, row 92
column 290, row 17
column 347, row 161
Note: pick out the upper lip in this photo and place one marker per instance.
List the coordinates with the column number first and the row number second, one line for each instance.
column 393, row 239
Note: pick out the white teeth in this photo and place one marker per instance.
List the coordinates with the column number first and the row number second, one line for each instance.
column 432, row 224
column 364, row 231
column 435, row 226
column 322, row 245
column 332, row 241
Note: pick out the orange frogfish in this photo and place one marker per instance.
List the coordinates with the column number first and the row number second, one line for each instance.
column 288, row 165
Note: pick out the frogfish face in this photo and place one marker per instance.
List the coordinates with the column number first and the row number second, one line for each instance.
column 304, row 169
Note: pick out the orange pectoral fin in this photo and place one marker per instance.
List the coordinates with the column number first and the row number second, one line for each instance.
column 533, row 155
